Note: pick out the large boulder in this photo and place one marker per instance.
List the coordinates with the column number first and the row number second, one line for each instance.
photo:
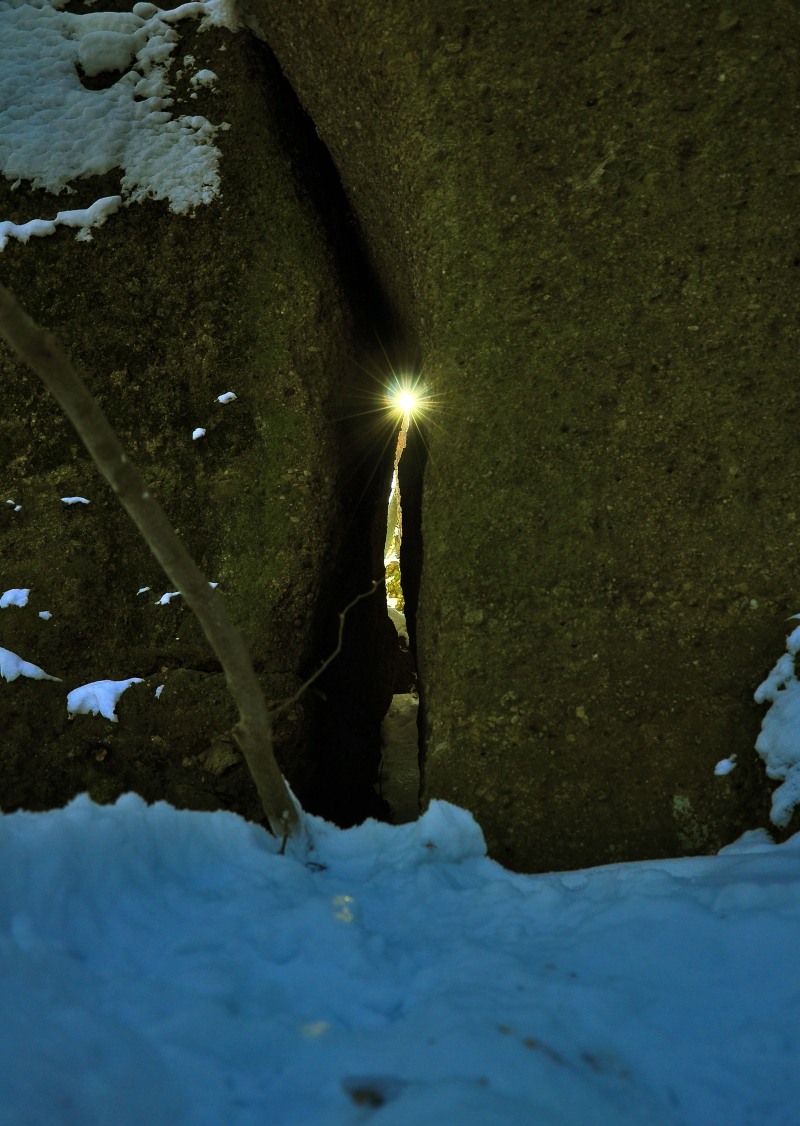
column 585, row 214
column 165, row 309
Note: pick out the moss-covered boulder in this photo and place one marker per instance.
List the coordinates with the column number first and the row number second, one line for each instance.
column 587, row 215
column 165, row 313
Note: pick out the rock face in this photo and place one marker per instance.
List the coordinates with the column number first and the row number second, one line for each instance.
column 164, row 313
column 586, row 216
column 583, row 219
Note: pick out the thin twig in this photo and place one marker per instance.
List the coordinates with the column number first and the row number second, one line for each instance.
column 41, row 351
column 284, row 704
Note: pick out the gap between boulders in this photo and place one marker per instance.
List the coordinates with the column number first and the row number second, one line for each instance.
column 345, row 781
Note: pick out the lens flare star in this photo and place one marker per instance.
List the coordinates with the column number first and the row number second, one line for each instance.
column 407, row 396
column 406, row 401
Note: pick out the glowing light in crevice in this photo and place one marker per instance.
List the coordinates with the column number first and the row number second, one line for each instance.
column 406, row 395
column 407, row 401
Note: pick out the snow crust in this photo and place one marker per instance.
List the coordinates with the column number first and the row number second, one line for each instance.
column 204, row 78
column 54, row 130
column 13, row 666
column 100, row 697
column 16, row 596
column 398, row 620
column 85, row 219
column 779, row 741
column 170, row 968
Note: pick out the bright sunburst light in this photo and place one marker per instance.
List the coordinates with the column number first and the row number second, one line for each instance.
column 407, row 395
column 406, row 401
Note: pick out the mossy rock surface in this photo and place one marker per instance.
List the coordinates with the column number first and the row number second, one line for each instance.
column 162, row 313
column 587, row 216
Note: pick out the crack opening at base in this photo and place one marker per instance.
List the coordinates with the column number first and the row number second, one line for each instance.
column 399, row 781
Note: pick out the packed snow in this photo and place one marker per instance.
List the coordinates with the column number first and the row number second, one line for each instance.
column 54, row 130
column 168, row 967
column 100, row 697
column 13, row 666
column 84, row 219
column 779, row 741
column 16, row 596
column 399, row 776
column 203, row 78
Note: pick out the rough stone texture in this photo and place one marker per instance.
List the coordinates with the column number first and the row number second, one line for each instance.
column 163, row 313
column 587, row 215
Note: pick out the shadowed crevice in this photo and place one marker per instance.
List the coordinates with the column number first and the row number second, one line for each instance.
column 346, row 705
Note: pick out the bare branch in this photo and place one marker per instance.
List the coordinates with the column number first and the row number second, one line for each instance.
column 284, row 704
column 41, row 351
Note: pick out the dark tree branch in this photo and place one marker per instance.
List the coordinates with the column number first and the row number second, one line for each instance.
column 41, row 351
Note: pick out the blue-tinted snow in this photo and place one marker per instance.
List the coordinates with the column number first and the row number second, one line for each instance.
column 13, row 666
column 99, row 697
column 779, row 740
column 16, row 596
column 170, row 967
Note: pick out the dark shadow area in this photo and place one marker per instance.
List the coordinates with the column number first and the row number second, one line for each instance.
column 346, row 705
column 318, row 181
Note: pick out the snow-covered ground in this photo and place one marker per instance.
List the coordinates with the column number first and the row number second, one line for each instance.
column 171, row 967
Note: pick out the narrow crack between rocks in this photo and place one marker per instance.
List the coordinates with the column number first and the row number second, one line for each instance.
column 399, row 781
column 346, row 706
